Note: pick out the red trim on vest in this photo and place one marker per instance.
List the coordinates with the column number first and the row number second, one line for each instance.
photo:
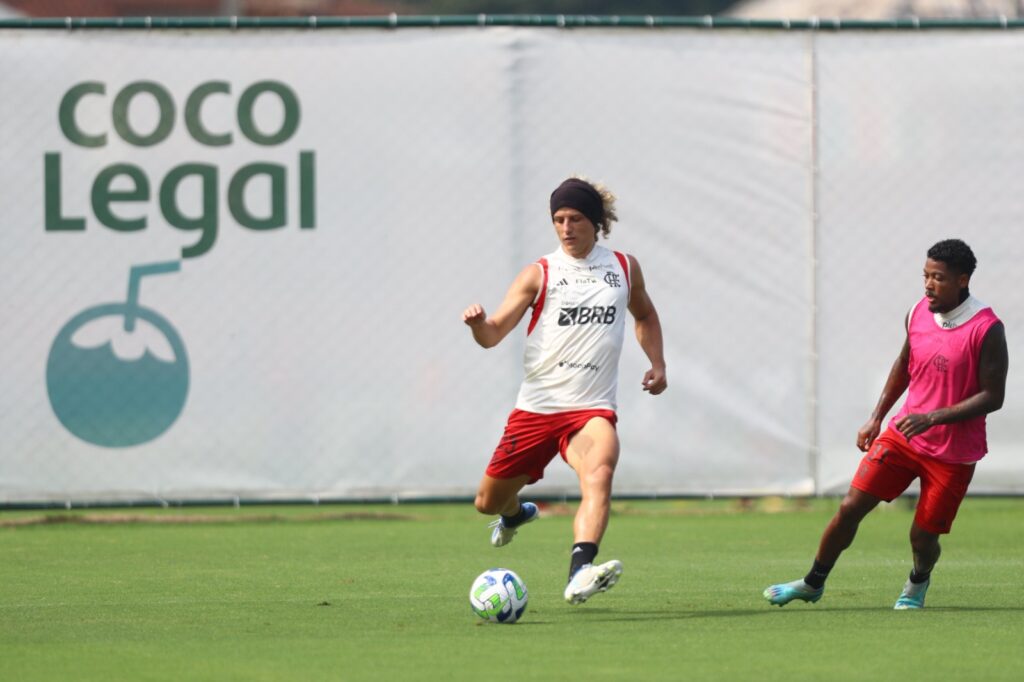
column 538, row 307
column 625, row 266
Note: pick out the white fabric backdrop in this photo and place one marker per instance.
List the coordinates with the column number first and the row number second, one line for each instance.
column 773, row 219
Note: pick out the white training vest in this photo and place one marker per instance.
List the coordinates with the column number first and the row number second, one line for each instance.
column 575, row 335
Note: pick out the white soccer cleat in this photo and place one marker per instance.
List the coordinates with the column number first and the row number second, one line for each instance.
column 591, row 579
column 502, row 534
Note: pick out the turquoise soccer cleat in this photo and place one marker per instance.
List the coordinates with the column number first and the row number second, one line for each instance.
column 912, row 596
column 780, row 595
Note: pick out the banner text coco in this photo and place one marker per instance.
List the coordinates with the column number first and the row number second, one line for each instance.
column 128, row 183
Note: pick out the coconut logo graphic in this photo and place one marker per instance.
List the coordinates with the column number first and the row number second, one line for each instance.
column 117, row 374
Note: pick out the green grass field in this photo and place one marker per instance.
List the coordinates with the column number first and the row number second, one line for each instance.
column 380, row 593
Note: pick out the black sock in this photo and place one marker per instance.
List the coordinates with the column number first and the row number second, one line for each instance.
column 816, row 578
column 516, row 519
column 583, row 553
column 918, row 578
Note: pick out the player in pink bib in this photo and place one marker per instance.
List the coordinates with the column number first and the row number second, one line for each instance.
column 579, row 295
column 953, row 367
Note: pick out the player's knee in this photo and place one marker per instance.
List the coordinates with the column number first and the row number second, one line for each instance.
column 599, row 478
column 923, row 542
column 851, row 512
column 485, row 504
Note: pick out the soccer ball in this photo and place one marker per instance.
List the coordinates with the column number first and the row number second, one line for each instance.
column 498, row 595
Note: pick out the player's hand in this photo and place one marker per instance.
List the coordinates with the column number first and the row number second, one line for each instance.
column 914, row 424
column 867, row 434
column 655, row 381
column 474, row 315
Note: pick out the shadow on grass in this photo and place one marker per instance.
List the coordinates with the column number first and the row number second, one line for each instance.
column 617, row 615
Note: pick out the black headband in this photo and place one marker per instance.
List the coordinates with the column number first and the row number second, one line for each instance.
column 580, row 195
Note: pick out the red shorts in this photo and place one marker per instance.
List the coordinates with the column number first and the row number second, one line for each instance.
column 891, row 465
column 532, row 440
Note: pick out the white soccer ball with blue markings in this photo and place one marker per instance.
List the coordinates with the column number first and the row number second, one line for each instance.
column 498, row 595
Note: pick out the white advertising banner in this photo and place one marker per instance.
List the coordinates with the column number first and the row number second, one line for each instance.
column 233, row 263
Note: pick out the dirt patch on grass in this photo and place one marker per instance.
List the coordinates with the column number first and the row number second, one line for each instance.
column 190, row 519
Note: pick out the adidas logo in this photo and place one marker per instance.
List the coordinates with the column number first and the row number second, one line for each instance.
column 562, row 283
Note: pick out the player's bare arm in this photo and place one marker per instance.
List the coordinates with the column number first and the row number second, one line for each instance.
column 895, row 385
column 648, row 330
column 489, row 331
column 993, row 365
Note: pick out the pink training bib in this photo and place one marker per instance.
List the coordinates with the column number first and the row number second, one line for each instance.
column 945, row 351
